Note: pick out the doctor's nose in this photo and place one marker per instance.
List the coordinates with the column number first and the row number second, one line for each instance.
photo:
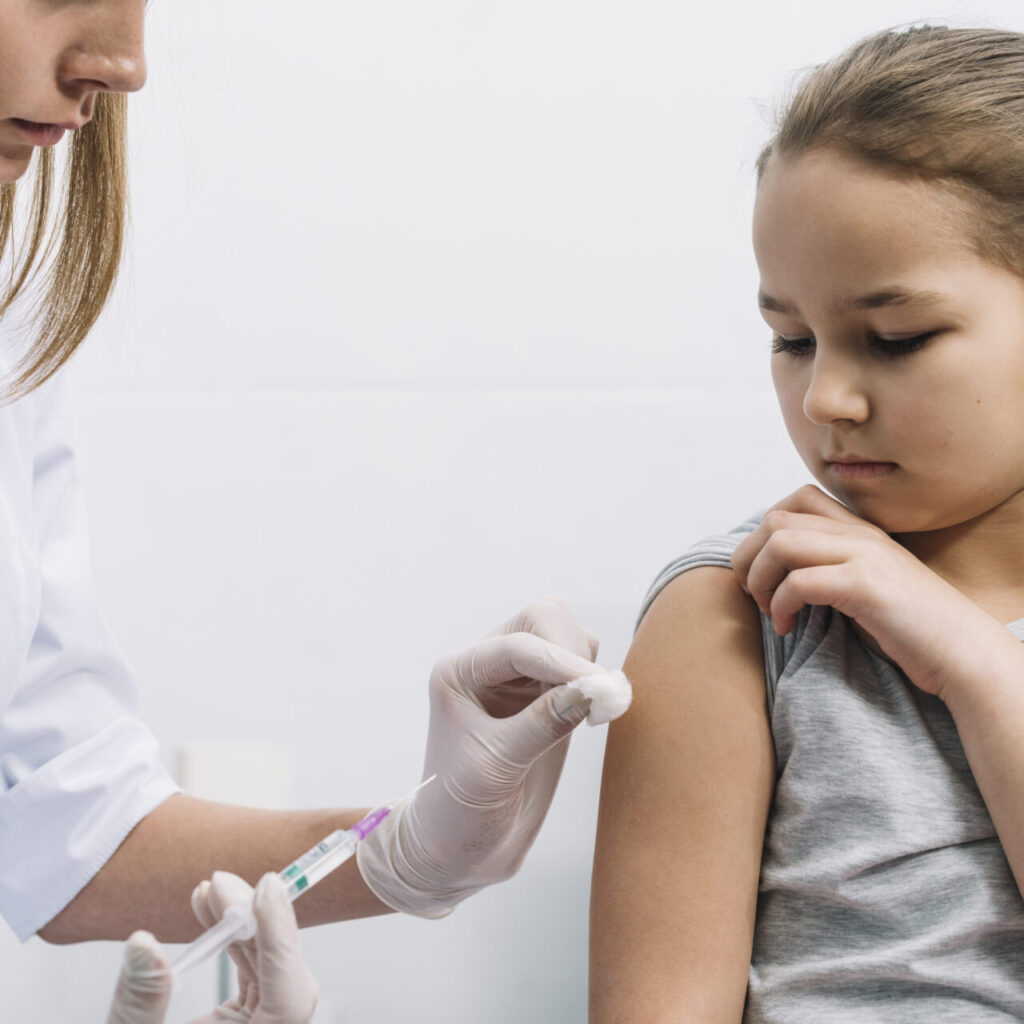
column 834, row 393
column 109, row 55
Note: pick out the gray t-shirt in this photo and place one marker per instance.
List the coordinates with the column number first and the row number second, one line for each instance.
column 884, row 894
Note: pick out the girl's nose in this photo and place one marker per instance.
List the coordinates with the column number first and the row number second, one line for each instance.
column 835, row 393
column 109, row 55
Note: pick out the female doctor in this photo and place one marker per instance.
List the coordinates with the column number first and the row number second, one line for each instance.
column 95, row 838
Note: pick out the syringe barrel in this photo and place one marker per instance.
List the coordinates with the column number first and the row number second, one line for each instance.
column 327, row 855
column 238, row 922
column 327, row 863
column 299, row 866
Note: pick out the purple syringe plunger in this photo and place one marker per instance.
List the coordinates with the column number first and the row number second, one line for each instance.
column 363, row 828
column 370, row 822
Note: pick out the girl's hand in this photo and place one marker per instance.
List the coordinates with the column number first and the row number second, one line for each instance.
column 811, row 550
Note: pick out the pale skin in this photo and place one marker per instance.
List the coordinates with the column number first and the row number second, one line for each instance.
column 898, row 361
column 55, row 58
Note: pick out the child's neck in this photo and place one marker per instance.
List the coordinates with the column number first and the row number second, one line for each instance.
column 983, row 558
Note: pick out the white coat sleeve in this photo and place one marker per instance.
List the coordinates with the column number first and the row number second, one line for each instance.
column 78, row 770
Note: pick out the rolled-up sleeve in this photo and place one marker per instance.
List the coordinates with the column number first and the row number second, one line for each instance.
column 78, row 770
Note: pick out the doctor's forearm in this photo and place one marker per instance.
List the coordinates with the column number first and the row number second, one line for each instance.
column 149, row 879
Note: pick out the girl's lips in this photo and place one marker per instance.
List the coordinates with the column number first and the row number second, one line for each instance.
column 39, row 134
column 861, row 470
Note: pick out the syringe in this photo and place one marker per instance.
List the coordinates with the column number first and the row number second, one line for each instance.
column 239, row 922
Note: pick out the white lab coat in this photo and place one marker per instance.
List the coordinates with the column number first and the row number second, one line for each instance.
column 78, row 770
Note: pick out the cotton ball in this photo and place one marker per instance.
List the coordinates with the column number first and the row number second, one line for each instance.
column 609, row 694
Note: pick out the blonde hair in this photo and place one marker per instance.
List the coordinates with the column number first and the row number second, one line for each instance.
column 77, row 253
column 944, row 104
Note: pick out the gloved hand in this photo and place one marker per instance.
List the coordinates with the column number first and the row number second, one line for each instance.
column 498, row 736
column 275, row 986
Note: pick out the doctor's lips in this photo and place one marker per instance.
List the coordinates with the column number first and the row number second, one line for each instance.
column 849, row 467
column 40, row 134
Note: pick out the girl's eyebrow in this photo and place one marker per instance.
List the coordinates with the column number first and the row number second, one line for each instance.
column 895, row 296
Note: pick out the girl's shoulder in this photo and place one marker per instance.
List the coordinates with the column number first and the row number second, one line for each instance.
column 715, row 550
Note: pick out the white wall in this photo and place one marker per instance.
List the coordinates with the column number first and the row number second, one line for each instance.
column 431, row 308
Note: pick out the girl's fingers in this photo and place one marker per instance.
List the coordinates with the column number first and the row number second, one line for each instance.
column 814, row 501
column 814, row 509
column 784, row 533
column 808, row 508
column 817, row 584
column 787, row 551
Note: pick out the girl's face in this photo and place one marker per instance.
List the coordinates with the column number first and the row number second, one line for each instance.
column 898, row 352
column 55, row 56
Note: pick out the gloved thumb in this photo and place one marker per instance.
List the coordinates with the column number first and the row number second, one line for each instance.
column 599, row 697
column 542, row 723
column 144, row 986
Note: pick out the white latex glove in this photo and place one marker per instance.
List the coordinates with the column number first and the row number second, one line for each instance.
column 143, row 988
column 499, row 732
column 275, row 986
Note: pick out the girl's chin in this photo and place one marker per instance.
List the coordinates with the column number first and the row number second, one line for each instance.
column 877, row 513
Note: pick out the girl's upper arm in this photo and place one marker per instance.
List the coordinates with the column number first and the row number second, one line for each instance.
column 688, row 778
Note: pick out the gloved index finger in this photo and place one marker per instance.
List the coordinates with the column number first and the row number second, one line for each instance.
column 503, row 659
column 551, row 619
column 210, row 899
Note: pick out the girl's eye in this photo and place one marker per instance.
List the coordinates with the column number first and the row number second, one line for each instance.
column 894, row 347
column 901, row 346
column 792, row 346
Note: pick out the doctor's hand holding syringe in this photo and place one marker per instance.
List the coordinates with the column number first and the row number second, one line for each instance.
column 257, row 927
column 274, row 984
column 501, row 713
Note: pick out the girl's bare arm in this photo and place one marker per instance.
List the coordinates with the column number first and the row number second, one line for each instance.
column 688, row 779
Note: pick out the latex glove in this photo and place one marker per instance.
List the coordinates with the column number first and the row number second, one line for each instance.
column 498, row 736
column 143, row 987
column 275, row 986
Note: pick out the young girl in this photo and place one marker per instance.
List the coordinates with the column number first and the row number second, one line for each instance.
column 825, row 754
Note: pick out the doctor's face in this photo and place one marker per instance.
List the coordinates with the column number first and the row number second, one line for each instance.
column 55, row 57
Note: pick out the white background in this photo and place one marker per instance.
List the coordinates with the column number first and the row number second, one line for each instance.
column 431, row 307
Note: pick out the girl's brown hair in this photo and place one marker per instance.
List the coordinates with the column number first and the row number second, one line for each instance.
column 78, row 254
column 944, row 104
